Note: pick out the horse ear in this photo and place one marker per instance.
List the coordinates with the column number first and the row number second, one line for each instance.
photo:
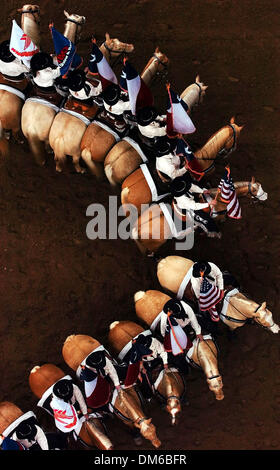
column 253, row 180
column 66, row 14
column 157, row 50
column 197, row 78
column 107, row 36
column 264, row 305
column 148, row 421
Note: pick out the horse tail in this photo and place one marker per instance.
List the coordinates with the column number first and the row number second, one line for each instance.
column 115, row 323
column 109, row 174
column 124, row 194
column 4, row 144
column 37, row 148
column 139, row 295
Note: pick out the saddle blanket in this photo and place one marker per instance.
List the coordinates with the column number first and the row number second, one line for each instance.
column 10, row 89
column 226, row 302
column 156, row 196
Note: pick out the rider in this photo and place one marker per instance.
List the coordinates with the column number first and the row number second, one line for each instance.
column 30, row 435
column 169, row 165
column 66, row 397
column 151, row 127
column 44, row 70
column 115, row 102
column 11, row 66
column 100, row 377
column 210, row 271
column 185, row 194
column 81, row 88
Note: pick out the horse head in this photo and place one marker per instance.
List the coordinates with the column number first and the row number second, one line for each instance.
column 264, row 317
column 115, row 46
column 161, row 58
column 215, row 384
column 148, row 431
column 256, row 191
column 173, row 407
column 172, row 387
column 77, row 19
column 33, row 12
column 202, row 88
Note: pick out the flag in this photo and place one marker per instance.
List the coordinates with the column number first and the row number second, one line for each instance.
column 139, row 94
column 65, row 51
column 183, row 150
column 228, row 195
column 98, row 64
column 21, row 45
column 177, row 118
column 209, row 296
column 122, row 80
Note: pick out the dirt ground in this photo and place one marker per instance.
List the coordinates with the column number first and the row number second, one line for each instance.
column 55, row 282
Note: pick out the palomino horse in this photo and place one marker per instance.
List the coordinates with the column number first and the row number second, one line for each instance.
column 149, row 306
column 174, row 273
column 97, row 142
column 124, row 159
column 126, row 405
column 155, row 225
column 41, row 380
column 37, row 114
column 67, row 130
column 168, row 384
column 12, row 97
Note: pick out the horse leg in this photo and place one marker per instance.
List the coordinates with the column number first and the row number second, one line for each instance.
column 96, row 168
column 76, row 163
column 38, row 150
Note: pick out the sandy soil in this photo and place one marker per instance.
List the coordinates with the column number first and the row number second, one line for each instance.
column 55, row 282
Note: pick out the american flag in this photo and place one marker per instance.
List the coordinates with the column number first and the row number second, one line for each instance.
column 209, row 296
column 228, row 195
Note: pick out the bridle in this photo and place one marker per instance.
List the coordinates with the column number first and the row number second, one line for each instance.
column 163, row 73
column 78, row 23
column 32, row 12
column 253, row 196
column 120, row 53
column 254, row 317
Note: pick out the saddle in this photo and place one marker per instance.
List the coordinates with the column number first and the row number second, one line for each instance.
column 20, row 83
column 49, row 94
column 116, row 123
column 84, row 107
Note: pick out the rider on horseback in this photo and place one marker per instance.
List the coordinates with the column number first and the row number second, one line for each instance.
column 168, row 164
column 81, row 88
column 185, row 199
column 210, row 271
column 151, row 127
column 11, row 66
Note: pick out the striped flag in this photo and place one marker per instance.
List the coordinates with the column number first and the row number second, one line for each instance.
column 138, row 92
column 209, row 296
column 21, row 45
column 65, row 51
column 228, row 195
column 98, row 64
column 177, row 118
column 183, row 150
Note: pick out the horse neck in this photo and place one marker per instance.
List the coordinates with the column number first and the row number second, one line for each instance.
column 31, row 28
column 207, row 359
column 150, row 70
column 169, row 386
column 241, row 307
column 191, row 95
column 130, row 408
column 242, row 188
column 222, row 139
column 71, row 30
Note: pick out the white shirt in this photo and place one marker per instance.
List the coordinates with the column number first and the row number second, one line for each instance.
column 218, row 281
column 40, row 439
column 109, row 370
column 158, row 350
column 81, row 94
column 154, row 129
column 13, row 69
column 191, row 318
column 188, row 202
column 118, row 108
column 170, row 165
column 46, row 77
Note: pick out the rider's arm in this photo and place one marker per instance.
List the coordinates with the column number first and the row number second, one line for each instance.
column 78, row 396
column 41, row 439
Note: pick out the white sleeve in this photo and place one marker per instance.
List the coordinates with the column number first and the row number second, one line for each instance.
column 42, row 439
column 111, row 371
column 166, row 166
column 193, row 320
column 184, row 202
column 218, row 275
column 158, row 348
column 196, row 189
column 80, row 399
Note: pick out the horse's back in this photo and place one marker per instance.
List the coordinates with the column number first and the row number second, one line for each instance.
column 149, row 305
column 121, row 333
column 8, row 414
column 76, row 348
column 42, row 378
column 172, row 270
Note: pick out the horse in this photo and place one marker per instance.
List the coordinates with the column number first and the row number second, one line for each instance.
column 12, row 91
column 173, row 273
column 68, row 128
column 125, row 157
column 168, row 384
column 126, row 404
column 38, row 114
column 149, row 306
column 41, row 380
column 100, row 144
column 155, row 225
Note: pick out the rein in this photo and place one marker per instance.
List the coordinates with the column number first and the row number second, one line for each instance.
column 119, row 53
column 254, row 317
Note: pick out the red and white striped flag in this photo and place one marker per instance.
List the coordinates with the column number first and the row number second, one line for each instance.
column 177, row 118
column 139, row 94
column 21, row 45
column 209, row 296
column 228, row 195
column 99, row 65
